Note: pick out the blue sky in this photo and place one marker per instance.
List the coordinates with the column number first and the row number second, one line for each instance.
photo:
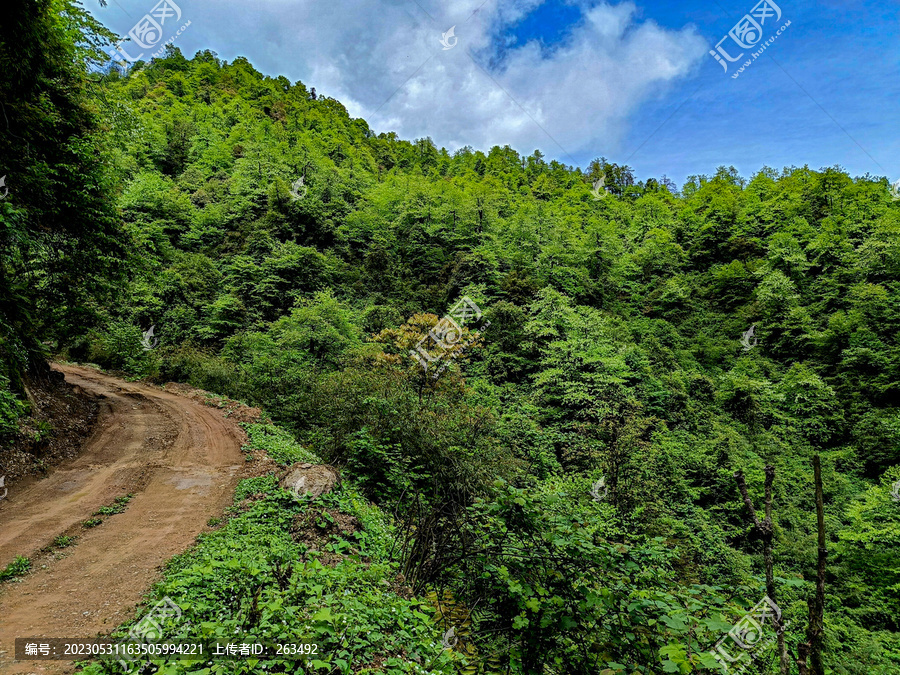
column 578, row 79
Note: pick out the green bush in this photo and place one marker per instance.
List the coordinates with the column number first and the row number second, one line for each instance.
column 204, row 371
column 120, row 347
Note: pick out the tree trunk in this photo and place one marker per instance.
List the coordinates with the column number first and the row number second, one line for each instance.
column 766, row 531
column 815, row 631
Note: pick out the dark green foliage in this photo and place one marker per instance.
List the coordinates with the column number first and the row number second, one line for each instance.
column 61, row 244
column 11, row 408
column 549, row 579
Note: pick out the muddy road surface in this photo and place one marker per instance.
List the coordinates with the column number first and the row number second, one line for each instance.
column 181, row 461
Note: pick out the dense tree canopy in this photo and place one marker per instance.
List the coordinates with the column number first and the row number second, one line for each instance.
column 60, row 238
column 613, row 351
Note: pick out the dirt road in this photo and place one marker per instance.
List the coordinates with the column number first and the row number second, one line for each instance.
column 179, row 458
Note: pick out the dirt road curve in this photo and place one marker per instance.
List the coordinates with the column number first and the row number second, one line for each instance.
column 179, row 458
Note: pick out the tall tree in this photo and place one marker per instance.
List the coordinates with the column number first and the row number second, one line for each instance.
column 60, row 237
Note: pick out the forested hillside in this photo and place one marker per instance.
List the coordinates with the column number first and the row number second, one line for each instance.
column 567, row 483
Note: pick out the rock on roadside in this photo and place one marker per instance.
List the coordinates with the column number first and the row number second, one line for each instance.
column 312, row 479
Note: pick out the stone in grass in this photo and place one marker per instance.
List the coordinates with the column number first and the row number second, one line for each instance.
column 312, row 479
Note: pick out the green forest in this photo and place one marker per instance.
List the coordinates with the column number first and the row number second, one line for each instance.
column 559, row 483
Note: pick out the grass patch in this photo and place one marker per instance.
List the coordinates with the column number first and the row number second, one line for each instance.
column 16, row 568
column 218, row 400
column 278, row 443
column 253, row 486
column 118, row 506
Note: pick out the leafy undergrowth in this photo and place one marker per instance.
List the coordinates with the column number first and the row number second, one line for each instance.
column 16, row 568
column 277, row 443
column 118, row 506
column 289, row 571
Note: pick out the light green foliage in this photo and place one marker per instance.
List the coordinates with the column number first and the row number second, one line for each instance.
column 278, row 444
column 254, row 486
column 120, row 347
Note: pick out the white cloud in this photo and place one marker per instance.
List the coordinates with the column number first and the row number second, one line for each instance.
column 384, row 61
column 579, row 95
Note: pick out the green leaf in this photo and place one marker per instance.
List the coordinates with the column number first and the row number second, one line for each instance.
column 323, row 615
